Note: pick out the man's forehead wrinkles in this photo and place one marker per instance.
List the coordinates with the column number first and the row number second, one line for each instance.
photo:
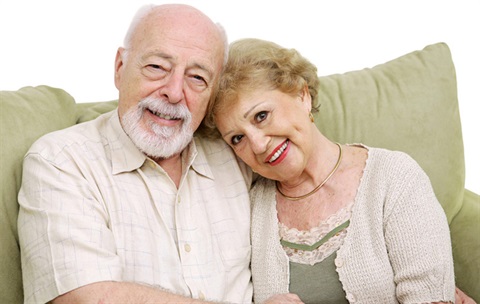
column 159, row 54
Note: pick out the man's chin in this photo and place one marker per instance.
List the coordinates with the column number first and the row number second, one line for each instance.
column 156, row 140
column 161, row 147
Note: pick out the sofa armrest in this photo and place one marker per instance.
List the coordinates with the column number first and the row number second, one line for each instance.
column 25, row 115
column 465, row 231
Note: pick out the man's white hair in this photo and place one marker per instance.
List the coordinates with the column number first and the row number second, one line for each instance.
column 143, row 12
column 139, row 16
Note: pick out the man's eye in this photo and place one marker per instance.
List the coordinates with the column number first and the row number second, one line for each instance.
column 261, row 116
column 155, row 66
column 154, row 71
column 236, row 139
column 199, row 80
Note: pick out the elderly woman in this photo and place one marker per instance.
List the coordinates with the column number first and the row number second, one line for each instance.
column 331, row 223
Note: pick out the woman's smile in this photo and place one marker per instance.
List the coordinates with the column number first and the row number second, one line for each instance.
column 279, row 153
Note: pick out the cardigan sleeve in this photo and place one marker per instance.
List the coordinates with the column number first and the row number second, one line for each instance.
column 418, row 238
column 270, row 268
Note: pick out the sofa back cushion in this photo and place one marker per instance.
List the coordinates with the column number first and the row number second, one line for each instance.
column 25, row 115
column 407, row 104
column 91, row 110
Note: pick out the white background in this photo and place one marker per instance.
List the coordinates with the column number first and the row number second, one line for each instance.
column 72, row 44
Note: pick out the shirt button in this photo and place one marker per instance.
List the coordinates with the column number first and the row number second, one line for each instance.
column 339, row 262
column 179, row 199
column 187, row 248
column 201, row 296
column 152, row 164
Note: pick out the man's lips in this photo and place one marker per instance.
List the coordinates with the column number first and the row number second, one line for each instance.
column 166, row 119
column 163, row 116
column 279, row 153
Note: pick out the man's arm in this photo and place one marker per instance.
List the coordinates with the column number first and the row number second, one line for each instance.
column 121, row 292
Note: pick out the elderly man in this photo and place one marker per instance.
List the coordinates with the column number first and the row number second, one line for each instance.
column 131, row 207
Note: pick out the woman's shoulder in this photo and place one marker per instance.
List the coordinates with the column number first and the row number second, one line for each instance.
column 390, row 170
column 390, row 160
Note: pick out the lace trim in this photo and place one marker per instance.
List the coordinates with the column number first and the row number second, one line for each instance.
column 310, row 237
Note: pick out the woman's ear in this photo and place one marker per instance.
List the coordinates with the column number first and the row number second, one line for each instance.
column 306, row 98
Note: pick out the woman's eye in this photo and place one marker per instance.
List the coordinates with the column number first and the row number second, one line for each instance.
column 261, row 116
column 236, row 139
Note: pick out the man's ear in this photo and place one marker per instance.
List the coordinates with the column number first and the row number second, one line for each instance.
column 119, row 62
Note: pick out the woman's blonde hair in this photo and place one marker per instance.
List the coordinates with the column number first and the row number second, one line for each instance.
column 258, row 64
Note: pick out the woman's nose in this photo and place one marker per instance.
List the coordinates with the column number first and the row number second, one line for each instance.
column 259, row 142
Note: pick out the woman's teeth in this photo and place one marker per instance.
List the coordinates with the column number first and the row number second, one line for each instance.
column 279, row 152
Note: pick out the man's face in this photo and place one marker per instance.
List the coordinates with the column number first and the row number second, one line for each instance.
column 167, row 74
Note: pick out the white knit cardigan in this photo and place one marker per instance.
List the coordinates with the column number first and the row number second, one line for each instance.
column 397, row 247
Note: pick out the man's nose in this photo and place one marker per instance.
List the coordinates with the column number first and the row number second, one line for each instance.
column 173, row 88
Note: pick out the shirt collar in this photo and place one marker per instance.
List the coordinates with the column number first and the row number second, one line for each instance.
column 127, row 157
column 200, row 162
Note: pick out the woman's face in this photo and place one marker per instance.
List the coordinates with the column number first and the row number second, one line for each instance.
column 270, row 131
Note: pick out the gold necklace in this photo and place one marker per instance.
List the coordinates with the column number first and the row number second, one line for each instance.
column 296, row 198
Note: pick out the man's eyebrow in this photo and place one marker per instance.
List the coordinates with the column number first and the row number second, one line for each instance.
column 157, row 54
column 203, row 68
column 195, row 65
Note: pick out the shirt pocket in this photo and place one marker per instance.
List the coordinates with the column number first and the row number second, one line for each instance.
column 237, row 256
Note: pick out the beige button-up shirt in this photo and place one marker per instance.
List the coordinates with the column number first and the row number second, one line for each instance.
column 94, row 208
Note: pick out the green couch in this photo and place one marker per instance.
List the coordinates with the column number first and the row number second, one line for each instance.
column 408, row 104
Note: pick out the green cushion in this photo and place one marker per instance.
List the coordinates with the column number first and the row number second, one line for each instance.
column 465, row 230
column 89, row 111
column 407, row 104
column 25, row 115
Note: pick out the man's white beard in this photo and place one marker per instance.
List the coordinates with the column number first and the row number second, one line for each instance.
column 154, row 140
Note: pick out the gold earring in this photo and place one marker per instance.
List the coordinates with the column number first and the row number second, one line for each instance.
column 311, row 117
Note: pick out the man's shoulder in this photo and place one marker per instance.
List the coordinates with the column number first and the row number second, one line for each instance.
column 218, row 154
column 213, row 147
column 55, row 141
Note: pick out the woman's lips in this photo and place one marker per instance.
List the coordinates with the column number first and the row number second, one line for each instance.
column 278, row 154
